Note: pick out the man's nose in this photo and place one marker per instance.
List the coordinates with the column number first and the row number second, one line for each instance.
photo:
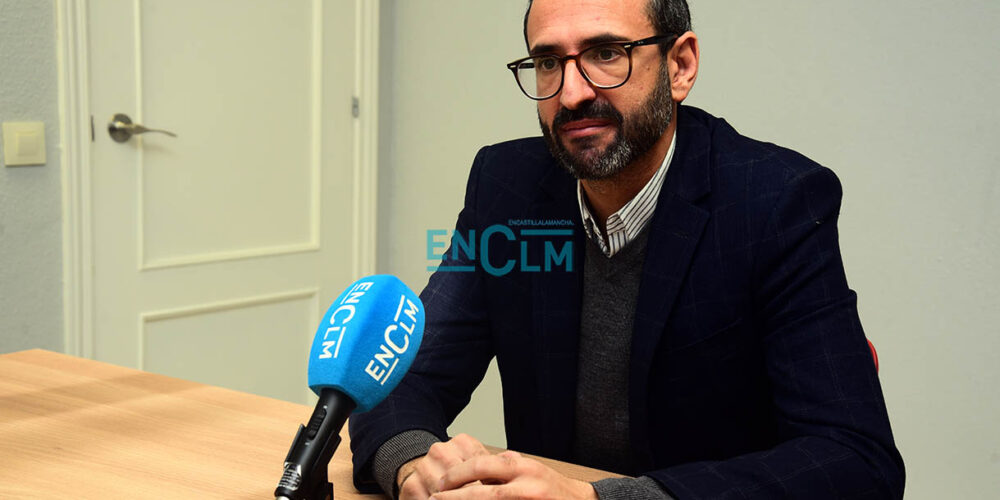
column 576, row 89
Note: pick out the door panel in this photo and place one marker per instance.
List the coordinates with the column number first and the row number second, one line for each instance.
column 248, row 184
column 172, row 342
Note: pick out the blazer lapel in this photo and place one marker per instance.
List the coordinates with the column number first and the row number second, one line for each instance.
column 557, row 295
column 675, row 230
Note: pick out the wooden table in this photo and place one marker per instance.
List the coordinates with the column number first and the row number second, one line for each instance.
column 76, row 428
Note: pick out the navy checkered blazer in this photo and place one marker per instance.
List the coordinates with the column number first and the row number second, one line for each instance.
column 750, row 375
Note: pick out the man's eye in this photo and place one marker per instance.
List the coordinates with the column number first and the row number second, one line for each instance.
column 547, row 64
column 607, row 54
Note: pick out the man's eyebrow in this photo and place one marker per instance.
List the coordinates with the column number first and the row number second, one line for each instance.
column 587, row 42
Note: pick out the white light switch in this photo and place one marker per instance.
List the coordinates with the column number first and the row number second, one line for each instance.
column 23, row 143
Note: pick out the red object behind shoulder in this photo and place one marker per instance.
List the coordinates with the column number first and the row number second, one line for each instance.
column 874, row 354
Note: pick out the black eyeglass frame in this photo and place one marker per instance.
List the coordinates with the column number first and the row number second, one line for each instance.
column 626, row 46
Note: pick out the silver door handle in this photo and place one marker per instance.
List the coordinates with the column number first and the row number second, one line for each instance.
column 121, row 128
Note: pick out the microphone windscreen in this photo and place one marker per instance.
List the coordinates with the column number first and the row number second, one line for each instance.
column 367, row 340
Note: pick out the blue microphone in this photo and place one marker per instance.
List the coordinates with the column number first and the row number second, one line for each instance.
column 364, row 345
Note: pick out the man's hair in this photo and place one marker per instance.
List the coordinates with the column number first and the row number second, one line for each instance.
column 668, row 17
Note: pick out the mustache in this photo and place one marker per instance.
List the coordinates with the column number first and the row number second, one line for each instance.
column 591, row 110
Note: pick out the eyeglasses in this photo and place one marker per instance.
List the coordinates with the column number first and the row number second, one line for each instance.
column 605, row 66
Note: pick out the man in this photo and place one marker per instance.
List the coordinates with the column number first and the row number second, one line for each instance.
column 708, row 346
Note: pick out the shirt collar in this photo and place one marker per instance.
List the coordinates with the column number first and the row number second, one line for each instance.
column 624, row 225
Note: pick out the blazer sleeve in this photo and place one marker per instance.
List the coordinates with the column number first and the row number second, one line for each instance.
column 452, row 359
column 831, row 420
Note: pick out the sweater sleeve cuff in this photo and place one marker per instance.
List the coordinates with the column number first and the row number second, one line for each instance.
column 395, row 452
column 625, row 488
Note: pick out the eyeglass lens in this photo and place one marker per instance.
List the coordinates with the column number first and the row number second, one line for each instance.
column 603, row 65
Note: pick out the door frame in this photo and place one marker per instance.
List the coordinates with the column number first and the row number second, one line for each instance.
column 77, row 129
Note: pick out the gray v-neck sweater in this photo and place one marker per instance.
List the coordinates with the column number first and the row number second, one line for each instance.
column 610, row 290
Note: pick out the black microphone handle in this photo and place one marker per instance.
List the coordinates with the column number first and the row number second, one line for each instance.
column 309, row 457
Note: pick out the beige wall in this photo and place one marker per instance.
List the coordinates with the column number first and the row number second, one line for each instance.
column 31, row 304
column 434, row 117
column 898, row 97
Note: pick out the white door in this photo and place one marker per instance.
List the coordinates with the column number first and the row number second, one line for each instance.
column 216, row 252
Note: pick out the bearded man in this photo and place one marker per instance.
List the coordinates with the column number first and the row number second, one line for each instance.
column 705, row 344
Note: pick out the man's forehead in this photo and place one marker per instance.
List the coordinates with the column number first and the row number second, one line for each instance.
column 562, row 23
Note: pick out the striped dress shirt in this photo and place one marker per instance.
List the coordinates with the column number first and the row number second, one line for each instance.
column 625, row 224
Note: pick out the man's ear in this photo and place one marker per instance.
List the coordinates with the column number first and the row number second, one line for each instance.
column 682, row 65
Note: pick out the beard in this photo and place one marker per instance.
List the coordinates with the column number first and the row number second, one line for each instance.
column 636, row 134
